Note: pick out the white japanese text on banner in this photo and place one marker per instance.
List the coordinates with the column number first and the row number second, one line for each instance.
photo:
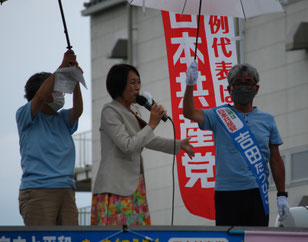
column 216, row 55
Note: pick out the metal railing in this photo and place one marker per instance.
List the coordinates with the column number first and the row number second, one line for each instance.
column 83, row 145
column 84, row 216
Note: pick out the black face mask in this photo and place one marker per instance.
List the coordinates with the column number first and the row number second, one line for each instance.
column 243, row 95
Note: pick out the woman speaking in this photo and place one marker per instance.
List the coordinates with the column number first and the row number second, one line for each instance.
column 119, row 193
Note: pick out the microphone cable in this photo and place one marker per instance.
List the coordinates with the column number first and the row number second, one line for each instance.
column 141, row 100
column 173, row 176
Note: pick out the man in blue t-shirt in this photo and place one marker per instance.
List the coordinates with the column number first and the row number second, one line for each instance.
column 47, row 190
column 238, row 201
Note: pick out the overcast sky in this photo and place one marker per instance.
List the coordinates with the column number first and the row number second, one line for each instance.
column 32, row 40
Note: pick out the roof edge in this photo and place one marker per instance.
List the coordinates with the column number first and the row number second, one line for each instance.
column 102, row 6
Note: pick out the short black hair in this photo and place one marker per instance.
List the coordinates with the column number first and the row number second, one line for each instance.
column 117, row 79
column 34, row 83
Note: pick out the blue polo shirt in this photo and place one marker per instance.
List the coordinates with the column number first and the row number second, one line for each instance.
column 232, row 171
column 47, row 149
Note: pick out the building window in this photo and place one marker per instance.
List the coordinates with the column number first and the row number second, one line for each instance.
column 299, row 166
column 270, row 179
column 296, row 166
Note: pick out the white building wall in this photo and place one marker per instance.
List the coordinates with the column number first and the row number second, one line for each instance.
column 284, row 85
column 105, row 30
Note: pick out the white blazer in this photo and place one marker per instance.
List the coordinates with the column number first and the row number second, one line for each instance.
column 122, row 142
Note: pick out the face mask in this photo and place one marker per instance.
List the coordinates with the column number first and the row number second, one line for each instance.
column 58, row 101
column 243, row 95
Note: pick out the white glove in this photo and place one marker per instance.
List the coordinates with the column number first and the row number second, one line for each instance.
column 283, row 207
column 192, row 74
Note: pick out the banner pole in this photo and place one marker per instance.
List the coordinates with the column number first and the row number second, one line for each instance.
column 196, row 49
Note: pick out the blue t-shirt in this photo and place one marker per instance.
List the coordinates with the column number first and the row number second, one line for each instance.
column 47, row 149
column 232, row 171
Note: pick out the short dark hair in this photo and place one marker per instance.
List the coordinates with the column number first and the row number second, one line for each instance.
column 34, row 83
column 117, row 79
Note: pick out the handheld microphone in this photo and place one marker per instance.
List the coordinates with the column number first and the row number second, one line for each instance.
column 146, row 100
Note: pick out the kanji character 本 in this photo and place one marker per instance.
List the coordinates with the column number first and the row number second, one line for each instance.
column 199, row 167
column 186, row 44
column 219, row 23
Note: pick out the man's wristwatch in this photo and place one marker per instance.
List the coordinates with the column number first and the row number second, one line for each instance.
column 282, row 194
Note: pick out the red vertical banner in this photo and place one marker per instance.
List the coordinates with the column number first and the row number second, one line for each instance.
column 197, row 175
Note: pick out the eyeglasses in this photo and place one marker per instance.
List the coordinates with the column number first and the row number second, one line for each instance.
column 243, row 83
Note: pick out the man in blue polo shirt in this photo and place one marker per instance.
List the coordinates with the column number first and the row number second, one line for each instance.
column 47, row 195
column 241, row 186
